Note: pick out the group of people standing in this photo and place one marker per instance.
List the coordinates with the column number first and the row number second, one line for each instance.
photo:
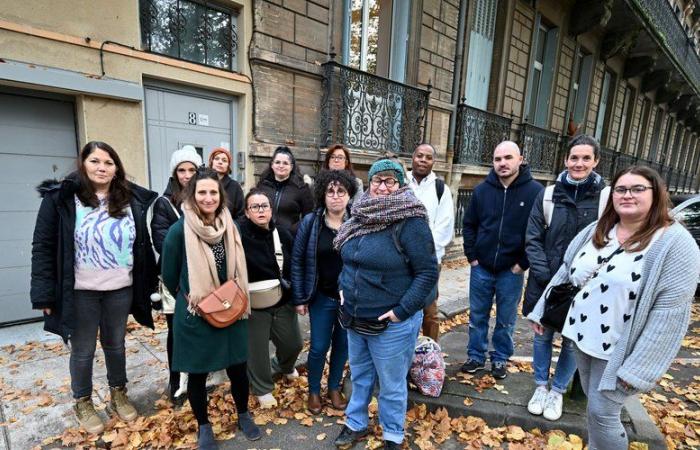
column 362, row 264
column 631, row 267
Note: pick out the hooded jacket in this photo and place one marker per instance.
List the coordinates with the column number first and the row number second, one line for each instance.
column 495, row 222
column 163, row 217
column 545, row 245
column 53, row 251
column 291, row 200
column 234, row 197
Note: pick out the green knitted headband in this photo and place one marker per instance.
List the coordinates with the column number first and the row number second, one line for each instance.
column 384, row 165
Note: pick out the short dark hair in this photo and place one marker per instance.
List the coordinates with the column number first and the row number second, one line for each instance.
column 204, row 173
column 327, row 177
column 256, row 191
column 329, row 153
column 584, row 139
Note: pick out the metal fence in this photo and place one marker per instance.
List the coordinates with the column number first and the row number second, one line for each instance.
column 540, row 147
column 478, row 133
column 464, row 196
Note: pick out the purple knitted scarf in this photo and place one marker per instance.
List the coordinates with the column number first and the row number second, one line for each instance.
column 372, row 214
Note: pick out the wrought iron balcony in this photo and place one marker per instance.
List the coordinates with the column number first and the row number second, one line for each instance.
column 606, row 165
column 464, row 196
column 665, row 26
column 624, row 161
column 539, row 147
column 478, row 133
column 364, row 111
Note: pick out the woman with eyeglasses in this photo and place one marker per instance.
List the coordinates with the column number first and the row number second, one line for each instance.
column 291, row 198
column 338, row 158
column 315, row 270
column 268, row 251
column 637, row 270
column 389, row 274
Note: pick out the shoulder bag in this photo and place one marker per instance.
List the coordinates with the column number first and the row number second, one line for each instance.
column 557, row 300
column 267, row 293
column 224, row 306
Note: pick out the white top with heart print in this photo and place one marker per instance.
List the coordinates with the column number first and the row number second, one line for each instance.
column 602, row 307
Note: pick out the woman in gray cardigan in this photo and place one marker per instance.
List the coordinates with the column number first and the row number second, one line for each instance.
column 637, row 271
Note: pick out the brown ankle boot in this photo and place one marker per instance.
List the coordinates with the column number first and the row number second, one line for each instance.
column 337, row 400
column 314, row 403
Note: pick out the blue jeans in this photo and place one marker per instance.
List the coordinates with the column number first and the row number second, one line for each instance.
column 542, row 359
column 326, row 329
column 387, row 356
column 508, row 287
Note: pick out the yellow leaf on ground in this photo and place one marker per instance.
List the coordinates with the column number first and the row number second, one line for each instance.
column 320, row 437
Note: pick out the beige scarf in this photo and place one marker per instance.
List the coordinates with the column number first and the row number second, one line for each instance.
column 203, row 276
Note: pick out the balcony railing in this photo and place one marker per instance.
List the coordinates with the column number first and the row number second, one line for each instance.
column 364, row 111
column 539, row 147
column 478, row 133
column 606, row 164
column 662, row 21
column 464, row 196
column 623, row 161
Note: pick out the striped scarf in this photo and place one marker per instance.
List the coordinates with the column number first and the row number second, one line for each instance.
column 372, row 214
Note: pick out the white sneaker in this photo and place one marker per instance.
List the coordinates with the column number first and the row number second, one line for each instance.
column 293, row 375
column 267, row 401
column 536, row 403
column 553, row 406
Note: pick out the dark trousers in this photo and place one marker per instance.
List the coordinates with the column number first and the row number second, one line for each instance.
column 106, row 311
column 174, row 381
column 197, row 391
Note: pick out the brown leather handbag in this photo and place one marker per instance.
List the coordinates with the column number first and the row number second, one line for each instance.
column 224, row 306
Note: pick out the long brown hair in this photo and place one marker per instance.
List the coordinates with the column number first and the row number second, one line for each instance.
column 119, row 191
column 329, row 153
column 657, row 218
column 191, row 189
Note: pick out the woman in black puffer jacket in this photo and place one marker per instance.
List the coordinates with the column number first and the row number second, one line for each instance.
column 291, row 197
column 166, row 211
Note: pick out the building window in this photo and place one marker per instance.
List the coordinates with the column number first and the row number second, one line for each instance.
column 192, row 30
column 625, row 120
column 481, row 38
column 606, row 92
column 583, row 69
column 655, row 135
column 542, row 74
column 643, row 126
column 376, row 37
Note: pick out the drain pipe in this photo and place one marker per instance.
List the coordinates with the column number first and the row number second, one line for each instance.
column 459, row 52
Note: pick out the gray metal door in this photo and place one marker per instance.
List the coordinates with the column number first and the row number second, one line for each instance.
column 177, row 117
column 37, row 141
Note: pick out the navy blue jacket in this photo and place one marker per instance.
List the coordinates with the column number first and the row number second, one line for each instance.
column 376, row 278
column 495, row 223
column 304, row 272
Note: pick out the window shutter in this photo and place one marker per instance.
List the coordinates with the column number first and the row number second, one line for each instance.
column 583, row 87
column 480, row 53
column 548, row 69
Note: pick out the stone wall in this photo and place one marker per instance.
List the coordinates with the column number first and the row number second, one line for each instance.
column 616, row 127
column 635, row 127
column 518, row 60
column 561, row 90
column 594, row 97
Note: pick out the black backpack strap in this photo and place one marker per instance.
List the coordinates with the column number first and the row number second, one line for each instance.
column 396, row 236
column 439, row 188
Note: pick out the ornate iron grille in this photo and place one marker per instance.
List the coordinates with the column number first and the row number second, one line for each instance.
column 662, row 22
column 539, row 146
column 624, row 161
column 365, row 111
column 464, row 196
column 193, row 30
column 478, row 133
column 606, row 165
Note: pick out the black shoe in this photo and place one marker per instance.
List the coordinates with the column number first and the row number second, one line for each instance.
column 248, row 427
column 390, row 445
column 472, row 366
column 347, row 437
column 498, row 370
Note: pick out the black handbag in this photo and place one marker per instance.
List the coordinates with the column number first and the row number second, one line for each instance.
column 557, row 299
column 367, row 327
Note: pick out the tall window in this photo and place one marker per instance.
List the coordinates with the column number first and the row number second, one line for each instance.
column 605, row 97
column 193, row 30
column 625, row 120
column 655, row 135
column 376, row 38
column 541, row 74
column 483, row 27
column 583, row 69
column 643, row 126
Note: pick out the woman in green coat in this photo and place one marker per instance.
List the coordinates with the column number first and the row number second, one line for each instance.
column 203, row 242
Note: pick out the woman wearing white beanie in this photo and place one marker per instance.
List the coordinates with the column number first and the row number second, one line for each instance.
column 166, row 211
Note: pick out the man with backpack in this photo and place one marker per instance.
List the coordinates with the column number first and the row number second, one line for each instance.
column 437, row 199
column 578, row 198
column 494, row 243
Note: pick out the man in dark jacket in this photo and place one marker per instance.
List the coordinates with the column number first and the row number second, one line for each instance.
column 560, row 212
column 494, row 243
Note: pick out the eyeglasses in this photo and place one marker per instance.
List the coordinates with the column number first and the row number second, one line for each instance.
column 388, row 182
column 259, row 207
column 340, row 193
column 338, row 158
column 620, row 191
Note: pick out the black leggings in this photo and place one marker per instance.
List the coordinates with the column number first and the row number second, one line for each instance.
column 197, row 391
column 174, row 376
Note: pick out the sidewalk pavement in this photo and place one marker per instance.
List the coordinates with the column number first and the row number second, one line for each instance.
column 35, row 400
